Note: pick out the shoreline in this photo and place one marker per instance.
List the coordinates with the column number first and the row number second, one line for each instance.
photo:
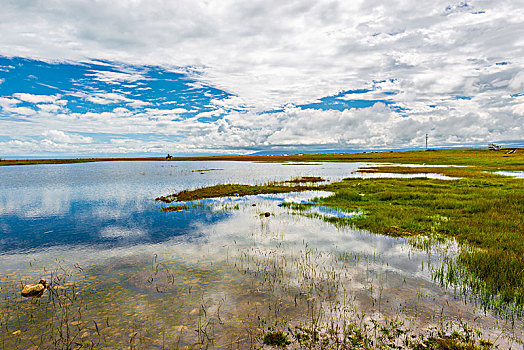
column 480, row 158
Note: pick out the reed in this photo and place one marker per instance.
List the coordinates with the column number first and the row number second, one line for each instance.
column 485, row 215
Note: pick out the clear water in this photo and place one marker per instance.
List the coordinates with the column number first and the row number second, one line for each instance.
column 110, row 204
column 147, row 270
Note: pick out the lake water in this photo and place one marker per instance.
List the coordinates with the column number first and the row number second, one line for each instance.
column 212, row 274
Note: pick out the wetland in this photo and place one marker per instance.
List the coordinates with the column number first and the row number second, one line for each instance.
column 353, row 254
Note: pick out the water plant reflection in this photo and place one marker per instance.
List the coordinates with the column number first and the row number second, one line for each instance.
column 243, row 277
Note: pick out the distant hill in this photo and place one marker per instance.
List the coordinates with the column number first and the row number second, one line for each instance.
column 272, row 153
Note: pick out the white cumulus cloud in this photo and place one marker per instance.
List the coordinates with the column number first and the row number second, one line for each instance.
column 58, row 136
column 452, row 68
column 36, row 98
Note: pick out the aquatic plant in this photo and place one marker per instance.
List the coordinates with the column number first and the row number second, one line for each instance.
column 305, row 179
column 276, row 338
column 175, row 208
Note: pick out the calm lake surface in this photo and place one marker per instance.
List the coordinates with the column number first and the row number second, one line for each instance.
column 150, row 278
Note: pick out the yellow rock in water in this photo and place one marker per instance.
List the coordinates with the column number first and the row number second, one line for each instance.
column 34, row 290
column 180, row 328
column 195, row 312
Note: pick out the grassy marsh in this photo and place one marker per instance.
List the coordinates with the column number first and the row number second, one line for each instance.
column 231, row 190
column 484, row 212
column 175, row 208
column 453, row 172
column 259, row 294
column 480, row 158
column 484, row 215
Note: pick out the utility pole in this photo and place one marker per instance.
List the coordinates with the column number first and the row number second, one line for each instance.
column 426, row 141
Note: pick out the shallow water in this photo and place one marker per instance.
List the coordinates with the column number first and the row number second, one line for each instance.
column 110, row 203
column 517, row 174
column 151, row 278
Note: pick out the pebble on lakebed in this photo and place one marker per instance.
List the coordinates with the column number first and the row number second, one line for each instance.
column 194, row 312
column 34, row 290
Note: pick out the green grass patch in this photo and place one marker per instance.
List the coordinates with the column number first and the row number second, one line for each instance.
column 174, row 208
column 305, row 179
column 204, row 170
column 484, row 213
column 231, row 190
column 276, row 338
column 456, row 172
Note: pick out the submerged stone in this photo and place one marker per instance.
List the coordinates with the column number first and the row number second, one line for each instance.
column 34, row 290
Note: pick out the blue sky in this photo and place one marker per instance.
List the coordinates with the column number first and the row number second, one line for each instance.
column 98, row 87
column 227, row 77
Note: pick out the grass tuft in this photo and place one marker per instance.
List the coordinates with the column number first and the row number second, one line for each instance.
column 276, row 339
